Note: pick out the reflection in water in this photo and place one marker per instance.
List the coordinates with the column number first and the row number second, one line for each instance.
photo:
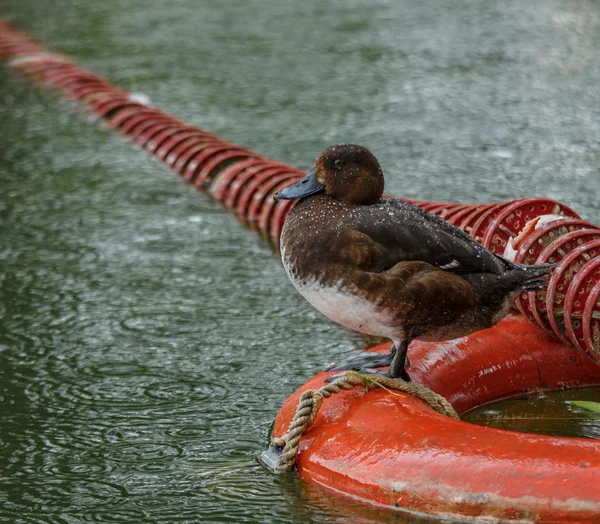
column 146, row 338
column 544, row 413
column 305, row 499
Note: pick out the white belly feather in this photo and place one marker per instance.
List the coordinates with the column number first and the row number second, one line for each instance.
column 343, row 307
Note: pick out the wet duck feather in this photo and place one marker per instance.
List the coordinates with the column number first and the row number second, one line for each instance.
column 388, row 268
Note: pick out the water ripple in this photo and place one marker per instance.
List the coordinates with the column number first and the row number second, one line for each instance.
column 147, row 340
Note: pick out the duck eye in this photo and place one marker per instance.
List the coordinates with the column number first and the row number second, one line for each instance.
column 337, row 163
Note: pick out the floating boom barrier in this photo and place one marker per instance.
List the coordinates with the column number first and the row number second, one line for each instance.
column 387, row 449
column 245, row 182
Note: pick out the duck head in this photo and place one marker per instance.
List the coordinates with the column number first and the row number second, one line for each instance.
column 344, row 172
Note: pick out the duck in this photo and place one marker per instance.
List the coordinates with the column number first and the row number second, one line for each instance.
column 384, row 267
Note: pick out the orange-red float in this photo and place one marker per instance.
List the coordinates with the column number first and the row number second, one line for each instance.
column 396, row 452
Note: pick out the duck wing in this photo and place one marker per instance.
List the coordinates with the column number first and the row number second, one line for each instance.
column 402, row 232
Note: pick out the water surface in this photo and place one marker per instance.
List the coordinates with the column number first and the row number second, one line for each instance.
column 147, row 339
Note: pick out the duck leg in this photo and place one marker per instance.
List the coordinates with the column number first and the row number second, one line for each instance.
column 365, row 362
column 400, row 360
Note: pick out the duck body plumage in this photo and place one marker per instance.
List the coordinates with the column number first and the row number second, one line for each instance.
column 390, row 269
column 385, row 268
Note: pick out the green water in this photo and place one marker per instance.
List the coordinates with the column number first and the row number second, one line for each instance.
column 147, row 339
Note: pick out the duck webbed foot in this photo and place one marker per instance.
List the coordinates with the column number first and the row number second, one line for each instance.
column 365, row 362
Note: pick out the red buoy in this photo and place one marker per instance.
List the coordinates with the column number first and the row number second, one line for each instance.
column 395, row 451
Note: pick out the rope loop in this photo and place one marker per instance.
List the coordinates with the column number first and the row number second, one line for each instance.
column 311, row 401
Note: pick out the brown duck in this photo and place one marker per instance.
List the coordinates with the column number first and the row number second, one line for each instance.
column 387, row 268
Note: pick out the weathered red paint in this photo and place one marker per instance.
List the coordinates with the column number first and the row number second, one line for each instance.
column 186, row 148
column 84, row 91
column 452, row 209
column 531, row 246
column 185, row 163
column 432, row 206
column 69, row 78
column 554, row 253
column 236, row 182
column 107, row 105
column 456, row 217
column 395, row 451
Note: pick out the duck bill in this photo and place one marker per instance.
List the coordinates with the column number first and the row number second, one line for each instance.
column 309, row 185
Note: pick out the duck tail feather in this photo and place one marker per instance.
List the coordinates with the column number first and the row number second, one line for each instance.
column 533, row 277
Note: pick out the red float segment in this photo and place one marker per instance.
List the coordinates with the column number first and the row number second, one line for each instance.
column 184, row 150
column 145, row 133
column 457, row 216
column 431, row 206
column 529, row 246
column 215, row 162
column 395, row 451
column 452, row 210
column 163, row 136
column 575, row 300
column 39, row 71
column 480, row 226
column 223, row 180
column 238, row 186
column 124, row 121
column 137, row 125
column 16, row 49
column 111, row 105
column 533, row 240
column 511, row 220
column 264, row 195
column 170, row 149
column 553, row 254
column 591, row 321
column 72, row 81
column 86, row 92
column 248, row 191
column 556, row 300
column 272, row 219
column 69, row 79
column 471, row 218
column 198, row 161
column 14, row 43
